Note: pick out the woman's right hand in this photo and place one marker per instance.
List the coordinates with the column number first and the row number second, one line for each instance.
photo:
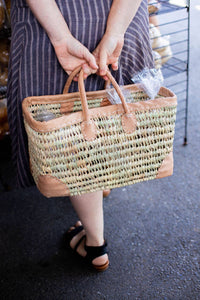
column 69, row 51
column 71, row 54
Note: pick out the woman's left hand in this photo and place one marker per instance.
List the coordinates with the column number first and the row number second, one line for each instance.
column 107, row 52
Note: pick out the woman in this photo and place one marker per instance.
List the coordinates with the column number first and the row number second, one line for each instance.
column 49, row 40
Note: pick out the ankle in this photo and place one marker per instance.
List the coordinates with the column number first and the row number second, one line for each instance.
column 93, row 241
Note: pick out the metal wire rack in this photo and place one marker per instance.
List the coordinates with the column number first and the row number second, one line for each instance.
column 174, row 24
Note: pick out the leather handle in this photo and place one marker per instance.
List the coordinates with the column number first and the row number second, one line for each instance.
column 81, row 85
column 70, row 78
column 119, row 92
column 72, row 75
column 88, row 126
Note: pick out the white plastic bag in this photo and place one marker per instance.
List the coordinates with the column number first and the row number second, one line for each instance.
column 149, row 80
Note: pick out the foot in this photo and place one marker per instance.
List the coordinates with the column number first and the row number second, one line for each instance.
column 98, row 261
column 78, row 239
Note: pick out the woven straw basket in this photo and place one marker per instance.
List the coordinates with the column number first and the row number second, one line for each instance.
column 92, row 145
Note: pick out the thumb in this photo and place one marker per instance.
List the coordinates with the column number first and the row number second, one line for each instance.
column 90, row 59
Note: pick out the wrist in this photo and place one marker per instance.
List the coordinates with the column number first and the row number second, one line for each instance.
column 114, row 33
column 59, row 39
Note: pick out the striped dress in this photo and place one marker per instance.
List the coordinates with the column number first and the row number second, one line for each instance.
column 35, row 70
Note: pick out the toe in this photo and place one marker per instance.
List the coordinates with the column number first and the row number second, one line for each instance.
column 71, row 228
column 78, row 223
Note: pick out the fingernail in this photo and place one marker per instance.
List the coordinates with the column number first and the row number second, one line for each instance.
column 93, row 71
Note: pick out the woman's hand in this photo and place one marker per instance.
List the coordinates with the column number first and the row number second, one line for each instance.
column 108, row 52
column 69, row 51
column 109, row 49
column 71, row 54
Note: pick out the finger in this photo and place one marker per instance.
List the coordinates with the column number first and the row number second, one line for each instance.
column 105, row 78
column 118, row 49
column 85, row 76
column 75, row 78
column 95, row 53
column 87, row 70
column 103, row 63
column 115, row 66
column 90, row 59
column 93, row 71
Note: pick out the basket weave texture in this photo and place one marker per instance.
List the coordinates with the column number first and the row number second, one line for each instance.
column 60, row 153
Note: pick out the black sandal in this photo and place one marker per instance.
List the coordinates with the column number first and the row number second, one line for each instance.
column 92, row 251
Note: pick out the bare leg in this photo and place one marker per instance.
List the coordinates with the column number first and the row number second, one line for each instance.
column 89, row 208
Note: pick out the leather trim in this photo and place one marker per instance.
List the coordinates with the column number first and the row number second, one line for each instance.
column 66, row 108
column 166, row 168
column 50, row 186
column 74, row 118
column 129, row 123
column 89, row 130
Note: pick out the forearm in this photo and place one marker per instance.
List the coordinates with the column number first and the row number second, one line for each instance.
column 121, row 14
column 51, row 19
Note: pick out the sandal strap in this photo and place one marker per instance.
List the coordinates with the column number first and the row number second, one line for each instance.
column 73, row 232
column 95, row 251
column 78, row 243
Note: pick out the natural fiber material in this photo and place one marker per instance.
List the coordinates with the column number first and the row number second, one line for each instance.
column 114, row 158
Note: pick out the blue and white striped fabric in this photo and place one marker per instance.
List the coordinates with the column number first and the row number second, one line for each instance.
column 34, row 69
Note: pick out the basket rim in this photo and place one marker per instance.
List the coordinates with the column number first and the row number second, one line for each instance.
column 169, row 99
